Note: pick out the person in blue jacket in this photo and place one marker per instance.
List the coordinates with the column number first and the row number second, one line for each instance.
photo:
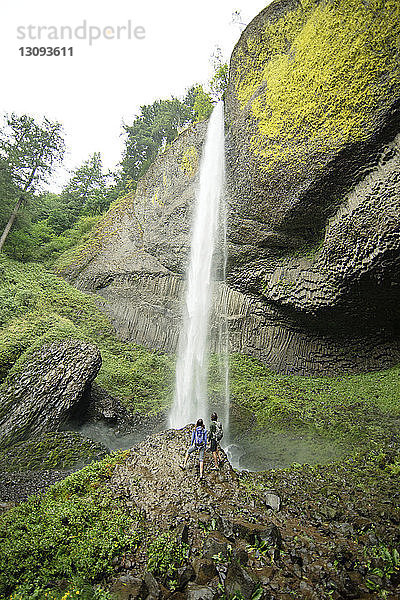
column 198, row 443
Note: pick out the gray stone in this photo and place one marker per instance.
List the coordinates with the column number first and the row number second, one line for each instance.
column 152, row 586
column 272, row 501
column 205, row 570
column 50, row 386
column 238, row 579
column 199, row 592
column 127, row 587
column 186, row 574
column 215, row 544
column 313, row 278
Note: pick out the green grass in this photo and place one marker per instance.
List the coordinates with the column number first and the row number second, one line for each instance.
column 56, row 450
column 350, row 408
column 38, row 307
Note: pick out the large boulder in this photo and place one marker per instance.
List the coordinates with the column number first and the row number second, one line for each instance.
column 51, row 384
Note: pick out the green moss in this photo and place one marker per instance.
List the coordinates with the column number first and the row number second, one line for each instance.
column 37, row 308
column 107, row 227
column 351, row 408
column 328, row 69
column 189, row 161
column 74, row 529
column 59, row 450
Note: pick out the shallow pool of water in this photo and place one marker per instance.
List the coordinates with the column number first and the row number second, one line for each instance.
column 270, row 451
column 279, row 450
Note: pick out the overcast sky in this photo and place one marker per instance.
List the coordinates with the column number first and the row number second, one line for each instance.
column 104, row 84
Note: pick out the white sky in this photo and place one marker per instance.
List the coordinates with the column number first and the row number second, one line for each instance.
column 92, row 92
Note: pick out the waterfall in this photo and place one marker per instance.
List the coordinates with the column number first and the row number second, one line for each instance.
column 190, row 402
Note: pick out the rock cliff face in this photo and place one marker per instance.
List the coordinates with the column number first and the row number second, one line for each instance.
column 137, row 255
column 313, row 157
column 313, row 169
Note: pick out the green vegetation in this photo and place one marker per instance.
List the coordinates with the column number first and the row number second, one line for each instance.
column 37, row 307
column 29, row 151
column 353, row 408
column 73, row 530
column 330, row 68
column 165, row 555
column 43, row 226
column 58, row 450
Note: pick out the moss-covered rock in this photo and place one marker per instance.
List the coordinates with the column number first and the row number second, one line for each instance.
column 47, row 390
column 38, row 308
column 313, row 110
column 55, row 450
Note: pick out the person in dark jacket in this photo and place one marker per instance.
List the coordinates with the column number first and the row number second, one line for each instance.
column 216, row 434
column 198, row 443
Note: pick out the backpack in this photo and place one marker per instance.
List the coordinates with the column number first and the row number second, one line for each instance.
column 200, row 436
column 219, row 433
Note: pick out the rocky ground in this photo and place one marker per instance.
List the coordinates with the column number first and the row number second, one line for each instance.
column 310, row 532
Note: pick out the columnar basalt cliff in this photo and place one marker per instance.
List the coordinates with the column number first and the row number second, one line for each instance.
column 313, row 157
column 313, row 161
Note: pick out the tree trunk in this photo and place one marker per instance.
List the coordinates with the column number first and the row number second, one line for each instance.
column 10, row 222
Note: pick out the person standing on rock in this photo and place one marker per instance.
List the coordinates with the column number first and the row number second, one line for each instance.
column 199, row 443
column 216, row 434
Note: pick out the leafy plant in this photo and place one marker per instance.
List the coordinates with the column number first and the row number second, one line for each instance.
column 165, row 555
column 73, row 530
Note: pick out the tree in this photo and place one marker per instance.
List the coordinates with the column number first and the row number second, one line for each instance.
column 86, row 193
column 155, row 126
column 219, row 81
column 203, row 105
column 28, row 151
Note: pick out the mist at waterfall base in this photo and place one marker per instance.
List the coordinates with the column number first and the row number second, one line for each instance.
column 273, row 450
column 190, row 401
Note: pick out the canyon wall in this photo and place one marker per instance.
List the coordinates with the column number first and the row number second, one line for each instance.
column 313, row 174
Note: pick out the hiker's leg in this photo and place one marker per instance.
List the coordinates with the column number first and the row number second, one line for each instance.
column 201, row 459
column 215, row 460
column 189, row 451
column 214, row 452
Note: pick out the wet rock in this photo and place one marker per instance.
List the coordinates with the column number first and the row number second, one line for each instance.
column 239, row 580
column 152, row 586
column 270, row 535
column 215, row 544
column 182, row 533
column 205, row 570
column 104, row 407
column 185, row 574
column 199, row 592
column 240, row 555
column 127, row 587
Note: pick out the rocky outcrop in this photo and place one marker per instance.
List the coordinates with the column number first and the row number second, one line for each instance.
column 47, row 389
column 136, row 257
column 314, row 541
column 313, row 157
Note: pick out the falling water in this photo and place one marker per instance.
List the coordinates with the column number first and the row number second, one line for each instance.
column 190, row 400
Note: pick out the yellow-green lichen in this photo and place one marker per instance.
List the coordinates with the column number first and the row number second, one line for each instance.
column 75, row 259
column 326, row 70
column 189, row 161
